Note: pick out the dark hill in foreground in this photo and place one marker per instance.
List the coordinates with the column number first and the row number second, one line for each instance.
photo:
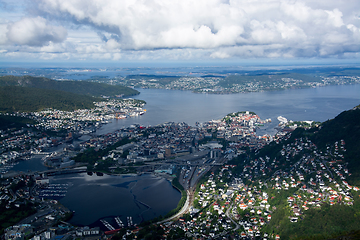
column 345, row 126
column 78, row 87
column 328, row 222
column 325, row 163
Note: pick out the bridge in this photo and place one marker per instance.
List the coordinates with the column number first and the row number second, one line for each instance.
column 78, row 168
column 182, row 163
column 63, row 171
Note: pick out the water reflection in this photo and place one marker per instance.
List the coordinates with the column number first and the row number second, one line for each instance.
column 97, row 197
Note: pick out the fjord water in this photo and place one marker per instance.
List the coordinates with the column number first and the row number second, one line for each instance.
column 316, row 104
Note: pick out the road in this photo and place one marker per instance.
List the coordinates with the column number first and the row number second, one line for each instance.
column 183, row 210
column 189, row 185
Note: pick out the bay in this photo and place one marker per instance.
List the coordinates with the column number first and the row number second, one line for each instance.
column 33, row 164
column 104, row 197
column 316, row 104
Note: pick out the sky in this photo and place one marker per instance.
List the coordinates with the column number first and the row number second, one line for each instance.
column 179, row 31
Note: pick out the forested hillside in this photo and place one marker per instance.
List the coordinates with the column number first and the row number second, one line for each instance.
column 78, row 87
column 7, row 121
column 23, row 99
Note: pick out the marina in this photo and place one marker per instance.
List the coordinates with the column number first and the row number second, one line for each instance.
column 130, row 221
column 107, row 225
column 54, row 191
column 119, row 222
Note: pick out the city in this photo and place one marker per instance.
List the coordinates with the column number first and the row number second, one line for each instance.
column 236, row 200
column 161, row 149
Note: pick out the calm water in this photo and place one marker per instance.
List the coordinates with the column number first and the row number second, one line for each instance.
column 33, row 164
column 317, row 104
column 105, row 197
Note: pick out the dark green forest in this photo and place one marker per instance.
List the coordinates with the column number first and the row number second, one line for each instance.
column 23, row 99
column 77, row 87
column 14, row 122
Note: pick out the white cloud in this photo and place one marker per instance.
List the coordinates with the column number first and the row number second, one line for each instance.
column 190, row 29
column 3, row 31
column 31, row 31
column 220, row 54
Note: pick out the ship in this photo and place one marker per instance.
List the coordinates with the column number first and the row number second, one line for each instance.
column 282, row 119
column 121, row 117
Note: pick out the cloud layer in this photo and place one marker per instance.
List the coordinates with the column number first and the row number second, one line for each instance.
column 202, row 28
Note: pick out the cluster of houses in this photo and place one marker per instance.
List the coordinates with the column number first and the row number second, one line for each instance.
column 53, row 119
column 319, row 177
column 212, row 84
column 225, row 206
column 15, row 197
column 240, row 128
column 21, row 143
column 13, row 144
column 233, row 210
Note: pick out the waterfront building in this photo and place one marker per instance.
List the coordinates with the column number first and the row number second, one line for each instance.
column 18, row 232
